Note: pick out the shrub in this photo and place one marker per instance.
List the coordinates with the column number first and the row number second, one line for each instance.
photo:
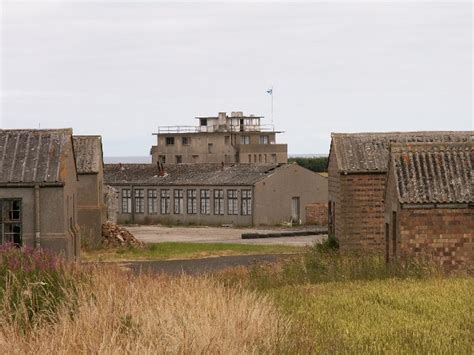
column 34, row 284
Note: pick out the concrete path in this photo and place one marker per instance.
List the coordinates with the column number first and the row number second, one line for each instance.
column 157, row 234
column 198, row 266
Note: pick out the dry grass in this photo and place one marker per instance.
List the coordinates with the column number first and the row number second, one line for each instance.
column 122, row 313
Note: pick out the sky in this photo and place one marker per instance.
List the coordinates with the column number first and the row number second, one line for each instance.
column 122, row 68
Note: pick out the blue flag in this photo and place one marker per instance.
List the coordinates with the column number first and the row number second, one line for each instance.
column 270, row 91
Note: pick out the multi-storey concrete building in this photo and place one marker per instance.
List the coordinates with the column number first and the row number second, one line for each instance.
column 222, row 139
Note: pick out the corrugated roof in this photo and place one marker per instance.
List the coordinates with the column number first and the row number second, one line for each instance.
column 187, row 174
column 32, row 156
column 88, row 151
column 369, row 152
column 433, row 172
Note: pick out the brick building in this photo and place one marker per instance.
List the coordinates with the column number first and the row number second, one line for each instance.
column 429, row 203
column 38, row 190
column 357, row 177
column 90, row 170
column 214, row 194
column 220, row 139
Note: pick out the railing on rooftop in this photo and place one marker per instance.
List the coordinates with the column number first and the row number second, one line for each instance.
column 216, row 128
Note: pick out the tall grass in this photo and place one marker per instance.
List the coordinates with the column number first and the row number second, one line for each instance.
column 119, row 312
column 34, row 285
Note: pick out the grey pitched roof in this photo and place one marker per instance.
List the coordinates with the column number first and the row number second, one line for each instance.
column 433, row 172
column 187, row 174
column 32, row 156
column 369, row 152
column 88, row 151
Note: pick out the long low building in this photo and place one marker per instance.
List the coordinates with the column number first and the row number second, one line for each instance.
column 214, row 194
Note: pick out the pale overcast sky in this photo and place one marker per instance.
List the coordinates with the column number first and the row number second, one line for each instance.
column 121, row 68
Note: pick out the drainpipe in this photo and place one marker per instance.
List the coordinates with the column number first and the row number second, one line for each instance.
column 37, row 217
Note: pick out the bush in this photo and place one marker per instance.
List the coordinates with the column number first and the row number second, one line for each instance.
column 34, row 284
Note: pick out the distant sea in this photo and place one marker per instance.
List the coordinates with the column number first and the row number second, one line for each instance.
column 147, row 159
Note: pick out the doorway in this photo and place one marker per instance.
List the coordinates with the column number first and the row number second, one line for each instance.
column 295, row 210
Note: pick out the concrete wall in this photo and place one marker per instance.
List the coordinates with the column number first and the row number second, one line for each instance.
column 184, row 217
column 273, row 196
column 228, row 150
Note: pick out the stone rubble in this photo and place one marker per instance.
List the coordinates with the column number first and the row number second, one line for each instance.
column 115, row 236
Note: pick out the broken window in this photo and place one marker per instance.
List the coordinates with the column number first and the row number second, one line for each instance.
column 246, row 202
column 178, row 201
column 191, row 201
column 139, row 201
column 169, row 140
column 165, row 202
column 10, row 221
column 179, row 159
column 152, row 205
column 218, row 202
column 232, row 202
column 186, row 141
column 274, row 158
column 209, row 147
column 162, row 159
column 227, row 140
column 126, row 201
column 195, row 158
column 205, row 202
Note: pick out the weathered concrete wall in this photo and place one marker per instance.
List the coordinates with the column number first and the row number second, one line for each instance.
column 273, row 196
column 446, row 234
column 317, row 214
column 111, row 202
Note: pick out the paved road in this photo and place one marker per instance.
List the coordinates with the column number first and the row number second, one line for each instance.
column 157, row 234
column 199, row 266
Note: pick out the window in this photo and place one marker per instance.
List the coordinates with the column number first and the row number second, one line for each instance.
column 178, row 201
column 152, row 206
column 203, row 122
column 260, row 158
column 186, row 141
column 205, row 202
column 227, row 140
column 162, row 159
column 139, row 201
column 169, row 140
column 246, row 202
column 244, row 139
column 232, row 202
column 126, row 201
column 250, row 158
column 179, row 159
column 265, row 158
column 263, row 140
column 165, row 201
column 218, row 202
column 274, row 158
column 209, row 147
column 255, row 158
column 10, row 221
column 195, row 158
column 191, row 200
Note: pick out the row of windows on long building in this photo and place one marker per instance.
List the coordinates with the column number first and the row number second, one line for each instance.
column 180, row 205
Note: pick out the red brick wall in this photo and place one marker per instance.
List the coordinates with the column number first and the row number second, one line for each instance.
column 360, row 217
column 447, row 234
column 317, row 213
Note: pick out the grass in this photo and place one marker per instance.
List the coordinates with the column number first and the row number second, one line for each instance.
column 184, row 250
column 383, row 316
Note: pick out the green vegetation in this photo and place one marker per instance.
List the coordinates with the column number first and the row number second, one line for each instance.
column 34, row 285
column 185, row 250
column 316, row 164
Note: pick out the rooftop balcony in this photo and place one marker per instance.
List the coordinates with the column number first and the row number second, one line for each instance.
column 216, row 128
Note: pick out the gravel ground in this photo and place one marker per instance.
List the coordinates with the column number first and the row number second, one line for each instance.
column 157, row 234
column 198, row 266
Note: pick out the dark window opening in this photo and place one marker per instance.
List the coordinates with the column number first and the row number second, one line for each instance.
column 179, row 159
column 10, row 221
column 186, row 140
column 169, row 140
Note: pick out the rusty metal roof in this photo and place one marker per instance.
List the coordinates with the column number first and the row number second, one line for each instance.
column 433, row 172
column 32, row 156
column 369, row 152
column 187, row 174
column 88, row 151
